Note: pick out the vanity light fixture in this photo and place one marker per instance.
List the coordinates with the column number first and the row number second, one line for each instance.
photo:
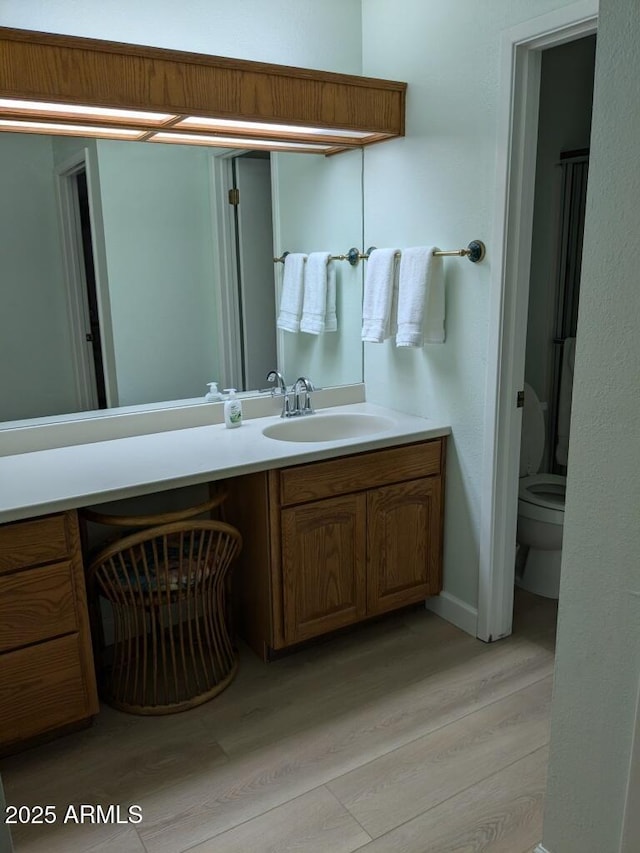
column 76, row 86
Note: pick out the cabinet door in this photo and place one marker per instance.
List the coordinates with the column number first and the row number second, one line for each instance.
column 403, row 544
column 323, row 566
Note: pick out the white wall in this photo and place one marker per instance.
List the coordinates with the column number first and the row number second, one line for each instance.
column 307, row 33
column 36, row 375
column 437, row 187
column 598, row 652
column 566, row 93
column 159, row 257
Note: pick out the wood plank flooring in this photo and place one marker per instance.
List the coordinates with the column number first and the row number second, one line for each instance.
column 406, row 735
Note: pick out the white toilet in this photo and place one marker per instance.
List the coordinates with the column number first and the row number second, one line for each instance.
column 540, row 508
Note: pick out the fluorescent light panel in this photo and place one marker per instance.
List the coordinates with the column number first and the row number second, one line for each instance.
column 70, row 129
column 196, row 122
column 235, row 141
column 44, row 108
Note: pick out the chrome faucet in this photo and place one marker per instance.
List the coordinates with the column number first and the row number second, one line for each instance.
column 280, row 390
column 300, row 390
column 302, row 386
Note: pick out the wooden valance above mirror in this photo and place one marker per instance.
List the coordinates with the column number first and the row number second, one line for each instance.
column 154, row 94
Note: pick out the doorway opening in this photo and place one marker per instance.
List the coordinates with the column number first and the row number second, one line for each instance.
column 562, row 161
column 522, row 56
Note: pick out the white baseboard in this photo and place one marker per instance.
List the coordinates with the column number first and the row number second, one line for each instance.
column 456, row 611
column 540, row 849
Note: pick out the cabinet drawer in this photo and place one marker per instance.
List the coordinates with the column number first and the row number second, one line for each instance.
column 41, row 688
column 28, row 543
column 35, row 605
column 364, row 471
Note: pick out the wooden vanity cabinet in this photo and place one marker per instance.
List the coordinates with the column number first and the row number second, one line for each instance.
column 329, row 544
column 47, row 679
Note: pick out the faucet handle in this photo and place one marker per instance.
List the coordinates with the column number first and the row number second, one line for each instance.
column 307, row 385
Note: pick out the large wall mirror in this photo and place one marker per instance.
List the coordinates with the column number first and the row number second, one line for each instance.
column 128, row 279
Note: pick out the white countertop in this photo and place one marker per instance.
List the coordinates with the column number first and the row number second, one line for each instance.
column 60, row 478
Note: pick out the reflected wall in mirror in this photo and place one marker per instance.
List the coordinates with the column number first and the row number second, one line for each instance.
column 129, row 280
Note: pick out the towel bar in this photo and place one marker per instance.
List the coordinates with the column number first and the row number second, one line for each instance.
column 475, row 251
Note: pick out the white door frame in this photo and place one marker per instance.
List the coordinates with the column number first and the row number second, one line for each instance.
column 75, row 277
column 511, row 255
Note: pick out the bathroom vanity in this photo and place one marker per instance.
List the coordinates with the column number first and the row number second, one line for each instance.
column 335, row 531
column 335, row 542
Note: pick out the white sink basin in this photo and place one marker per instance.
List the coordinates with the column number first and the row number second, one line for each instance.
column 328, row 427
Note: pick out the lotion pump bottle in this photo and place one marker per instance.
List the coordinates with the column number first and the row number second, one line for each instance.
column 212, row 394
column 232, row 409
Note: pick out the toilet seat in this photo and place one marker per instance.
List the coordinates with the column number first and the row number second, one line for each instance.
column 541, row 497
column 546, row 490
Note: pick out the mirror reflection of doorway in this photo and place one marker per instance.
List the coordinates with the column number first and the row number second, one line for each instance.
column 81, row 283
column 252, row 204
column 85, row 247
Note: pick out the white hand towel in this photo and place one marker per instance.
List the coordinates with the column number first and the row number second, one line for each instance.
column 314, row 303
column 292, row 292
column 379, row 282
column 564, row 399
column 420, row 298
column 331, row 319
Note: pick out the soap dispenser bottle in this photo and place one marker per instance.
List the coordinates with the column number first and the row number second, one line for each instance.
column 232, row 409
column 212, row 395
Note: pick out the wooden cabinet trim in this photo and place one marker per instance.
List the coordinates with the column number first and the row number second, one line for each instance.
column 82, row 612
column 275, row 564
column 360, row 472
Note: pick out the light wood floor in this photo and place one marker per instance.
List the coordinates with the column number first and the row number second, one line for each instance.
column 406, row 736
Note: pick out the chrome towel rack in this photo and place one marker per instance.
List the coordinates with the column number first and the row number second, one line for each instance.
column 475, row 252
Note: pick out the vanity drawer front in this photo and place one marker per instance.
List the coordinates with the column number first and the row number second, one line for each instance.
column 35, row 605
column 355, row 473
column 28, row 543
column 41, row 688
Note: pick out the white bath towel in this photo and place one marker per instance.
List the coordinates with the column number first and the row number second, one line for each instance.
column 292, row 292
column 564, row 399
column 420, row 298
column 317, row 313
column 379, row 283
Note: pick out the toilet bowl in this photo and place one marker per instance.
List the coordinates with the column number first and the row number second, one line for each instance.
column 540, row 508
